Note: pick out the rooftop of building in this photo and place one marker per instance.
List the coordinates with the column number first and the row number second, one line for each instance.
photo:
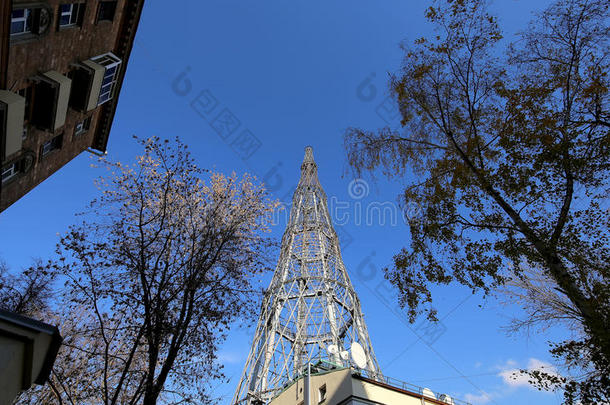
column 393, row 384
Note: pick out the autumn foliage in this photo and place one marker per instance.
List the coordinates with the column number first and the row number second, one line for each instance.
column 510, row 156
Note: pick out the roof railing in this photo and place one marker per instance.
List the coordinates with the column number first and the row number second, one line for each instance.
column 322, row 366
column 425, row 392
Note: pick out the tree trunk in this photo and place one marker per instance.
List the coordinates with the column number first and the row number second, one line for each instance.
column 595, row 322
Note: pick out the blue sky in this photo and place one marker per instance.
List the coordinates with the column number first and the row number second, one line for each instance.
column 293, row 74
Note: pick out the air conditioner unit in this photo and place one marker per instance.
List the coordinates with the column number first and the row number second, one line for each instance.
column 86, row 84
column 51, row 97
column 427, row 392
column 12, row 110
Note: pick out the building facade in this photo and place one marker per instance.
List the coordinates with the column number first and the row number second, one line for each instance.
column 346, row 386
column 28, row 349
column 62, row 64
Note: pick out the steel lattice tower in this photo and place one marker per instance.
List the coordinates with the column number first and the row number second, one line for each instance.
column 310, row 303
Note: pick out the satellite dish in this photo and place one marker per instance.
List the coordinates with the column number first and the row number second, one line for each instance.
column 344, row 355
column 358, row 355
column 446, row 399
column 332, row 349
column 427, row 392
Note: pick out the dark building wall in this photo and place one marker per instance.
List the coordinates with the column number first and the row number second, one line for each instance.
column 58, row 49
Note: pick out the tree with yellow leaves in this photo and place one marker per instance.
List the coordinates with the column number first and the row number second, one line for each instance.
column 511, row 161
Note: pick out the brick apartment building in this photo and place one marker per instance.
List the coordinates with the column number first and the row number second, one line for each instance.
column 62, row 63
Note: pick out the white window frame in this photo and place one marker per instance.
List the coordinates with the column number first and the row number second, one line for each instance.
column 47, row 148
column 80, row 127
column 9, row 172
column 111, row 63
column 50, row 146
column 73, row 13
column 26, row 14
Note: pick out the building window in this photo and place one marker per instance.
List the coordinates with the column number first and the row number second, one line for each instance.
column 82, row 126
column 322, row 394
column 71, row 14
column 30, row 22
column 51, row 145
column 112, row 64
column 9, row 171
column 106, row 10
column 21, row 21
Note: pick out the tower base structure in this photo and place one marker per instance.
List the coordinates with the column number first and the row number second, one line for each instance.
column 347, row 386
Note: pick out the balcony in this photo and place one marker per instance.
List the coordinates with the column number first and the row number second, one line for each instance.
column 12, row 110
column 51, row 97
column 94, row 81
column 87, row 80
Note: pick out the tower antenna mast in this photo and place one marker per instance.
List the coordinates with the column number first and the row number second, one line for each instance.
column 310, row 312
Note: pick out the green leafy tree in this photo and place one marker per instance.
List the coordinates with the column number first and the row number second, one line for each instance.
column 160, row 266
column 511, row 159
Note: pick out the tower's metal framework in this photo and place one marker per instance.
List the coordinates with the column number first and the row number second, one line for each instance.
column 310, row 304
